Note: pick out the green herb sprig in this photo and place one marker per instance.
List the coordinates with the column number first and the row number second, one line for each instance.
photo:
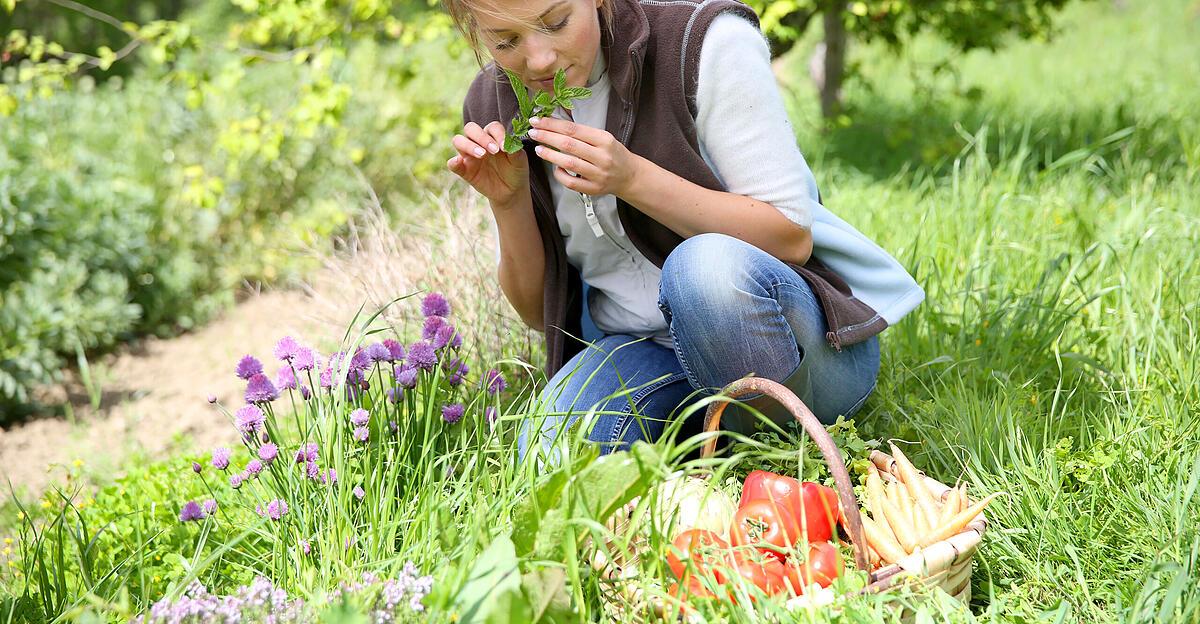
column 541, row 105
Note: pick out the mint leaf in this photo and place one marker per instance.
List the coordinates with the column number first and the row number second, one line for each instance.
column 512, row 144
column 543, row 99
column 518, row 87
column 560, row 81
column 574, row 93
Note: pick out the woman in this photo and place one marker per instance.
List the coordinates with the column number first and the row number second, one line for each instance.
column 671, row 211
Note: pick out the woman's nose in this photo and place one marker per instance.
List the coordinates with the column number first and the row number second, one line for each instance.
column 541, row 57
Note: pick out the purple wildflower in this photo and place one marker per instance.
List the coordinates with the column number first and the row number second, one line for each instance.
column 210, row 506
column 250, row 419
column 197, row 468
column 329, row 477
column 361, row 360
column 235, row 480
column 359, row 417
column 268, row 452
column 393, row 426
column 453, row 413
column 395, row 395
column 406, row 376
column 305, row 547
column 445, row 336
column 378, row 352
column 489, row 414
column 253, row 467
column 260, row 390
column 395, row 349
column 285, row 349
column 305, row 393
column 456, row 341
column 494, row 382
column 362, row 434
column 421, row 354
column 285, row 379
column 308, row 453
column 220, row 458
column 312, row 470
column 434, row 304
column 304, row 359
column 276, row 509
column 431, row 326
column 212, row 398
column 248, row 367
column 191, row 511
column 359, row 493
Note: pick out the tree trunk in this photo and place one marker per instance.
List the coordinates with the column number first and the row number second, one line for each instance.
column 831, row 57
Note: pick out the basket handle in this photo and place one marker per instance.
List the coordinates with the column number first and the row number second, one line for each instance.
column 816, row 431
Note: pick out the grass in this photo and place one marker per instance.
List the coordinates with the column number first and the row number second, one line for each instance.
column 1045, row 197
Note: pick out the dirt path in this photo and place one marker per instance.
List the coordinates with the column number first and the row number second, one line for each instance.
column 154, row 395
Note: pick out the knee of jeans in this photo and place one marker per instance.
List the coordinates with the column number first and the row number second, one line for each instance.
column 704, row 270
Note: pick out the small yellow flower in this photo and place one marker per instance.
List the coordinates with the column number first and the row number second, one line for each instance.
column 77, row 463
column 45, row 504
column 7, row 550
column 158, row 557
column 91, row 501
column 20, row 515
column 1033, row 399
column 12, row 564
column 978, row 341
column 156, row 578
column 8, row 540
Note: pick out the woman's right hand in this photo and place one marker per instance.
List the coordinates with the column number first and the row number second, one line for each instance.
column 496, row 174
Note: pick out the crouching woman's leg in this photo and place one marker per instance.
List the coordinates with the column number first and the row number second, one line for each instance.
column 623, row 388
column 734, row 310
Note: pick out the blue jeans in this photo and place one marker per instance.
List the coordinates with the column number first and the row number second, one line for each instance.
column 732, row 310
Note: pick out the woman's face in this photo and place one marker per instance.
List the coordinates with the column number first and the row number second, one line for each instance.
column 536, row 38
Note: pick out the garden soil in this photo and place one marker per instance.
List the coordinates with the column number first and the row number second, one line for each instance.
column 153, row 396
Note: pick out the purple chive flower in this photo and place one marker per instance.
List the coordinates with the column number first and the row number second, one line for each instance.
column 393, row 426
column 250, row 419
column 285, row 379
column 304, row 359
column 395, row 349
column 253, row 467
column 305, row 393
column 308, row 453
column 421, row 355
column 406, row 376
column 191, row 512
column 395, row 395
column 377, row 352
column 312, row 470
column 490, row 415
column 210, row 506
column 456, row 341
column 359, row 493
column 434, row 304
column 329, row 477
column 362, row 434
column 276, row 509
column 445, row 335
column 494, row 382
column 220, row 458
column 268, row 452
column 359, row 417
column 431, row 326
column 305, row 547
column 235, row 480
column 248, row 367
column 197, row 468
column 260, row 390
column 361, row 361
column 453, row 413
column 286, row 349
column 212, row 398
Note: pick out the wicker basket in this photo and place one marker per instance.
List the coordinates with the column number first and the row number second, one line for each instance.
column 945, row 564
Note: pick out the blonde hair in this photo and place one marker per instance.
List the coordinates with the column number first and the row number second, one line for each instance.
column 462, row 13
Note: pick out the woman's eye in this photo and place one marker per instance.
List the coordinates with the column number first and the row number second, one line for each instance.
column 558, row 26
column 505, row 44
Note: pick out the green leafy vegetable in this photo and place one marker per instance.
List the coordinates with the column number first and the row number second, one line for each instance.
column 541, row 105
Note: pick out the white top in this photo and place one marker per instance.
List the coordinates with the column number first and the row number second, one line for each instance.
column 746, row 139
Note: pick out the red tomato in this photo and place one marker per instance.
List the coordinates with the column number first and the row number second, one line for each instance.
column 698, row 549
column 686, row 593
column 819, row 503
column 760, row 570
column 763, row 524
column 822, row 565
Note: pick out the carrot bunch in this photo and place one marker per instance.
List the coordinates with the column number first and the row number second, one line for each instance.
column 905, row 516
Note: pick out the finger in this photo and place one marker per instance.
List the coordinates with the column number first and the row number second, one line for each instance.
column 587, row 134
column 568, row 144
column 481, row 138
column 455, row 164
column 467, row 147
column 579, row 185
column 497, row 131
column 567, row 161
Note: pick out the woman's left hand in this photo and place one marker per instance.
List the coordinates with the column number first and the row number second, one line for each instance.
column 605, row 166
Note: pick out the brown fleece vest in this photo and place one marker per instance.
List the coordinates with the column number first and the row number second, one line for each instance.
column 653, row 58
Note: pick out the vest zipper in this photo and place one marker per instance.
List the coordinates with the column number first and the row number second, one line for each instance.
column 589, row 211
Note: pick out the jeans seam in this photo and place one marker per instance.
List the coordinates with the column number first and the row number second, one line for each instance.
column 862, row 401
column 638, row 396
